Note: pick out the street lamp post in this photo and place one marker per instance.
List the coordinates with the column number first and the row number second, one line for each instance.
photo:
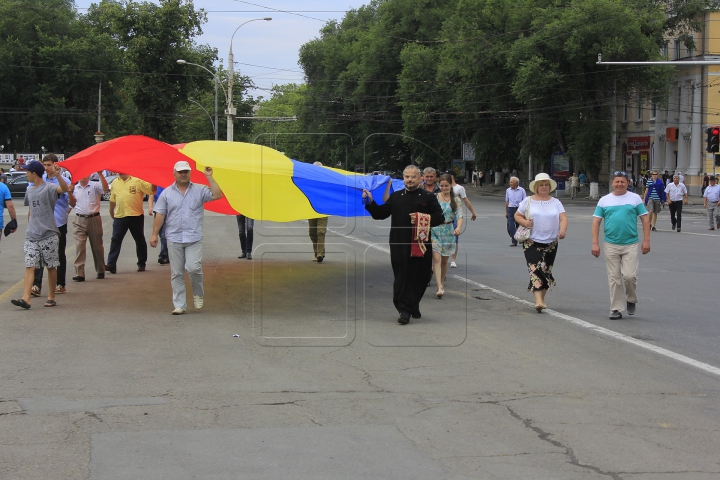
column 231, row 110
column 217, row 80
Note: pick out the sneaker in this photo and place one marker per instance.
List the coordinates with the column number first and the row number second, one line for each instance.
column 243, row 255
column 615, row 315
column 630, row 308
column 320, row 259
column 654, row 229
column 198, row 300
column 60, row 289
column 453, row 265
column 249, row 256
column 35, row 291
column 673, row 226
column 178, row 311
column 678, row 230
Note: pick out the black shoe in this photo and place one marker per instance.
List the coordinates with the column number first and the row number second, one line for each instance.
column 141, row 268
column 249, row 256
column 100, row 276
column 630, row 308
column 78, row 278
column 653, row 229
column 678, row 230
column 404, row 318
column 163, row 260
column 615, row 315
column 320, row 259
column 673, row 227
column 416, row 315
column 111, row 269
column 244, row 255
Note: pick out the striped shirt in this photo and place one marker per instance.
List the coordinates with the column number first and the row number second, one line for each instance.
column 654, row 195
column 183, row 212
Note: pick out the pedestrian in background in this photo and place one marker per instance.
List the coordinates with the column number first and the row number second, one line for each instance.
column 574, row 184
column 245, row 232
column 163, row 256
column 514, row 195
column 460, row 193
column 676, row 194
column 705, row 183
column 6, row 202
column 177, row 207
column 620, row 210
column 548, row 223
column 317, row 228
column 655, row 197
column 444, row 235
column 711, row 202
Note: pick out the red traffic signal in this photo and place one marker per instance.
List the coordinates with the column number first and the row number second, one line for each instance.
column 713, row 139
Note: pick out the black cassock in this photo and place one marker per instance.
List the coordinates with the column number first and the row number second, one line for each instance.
column 412, row 274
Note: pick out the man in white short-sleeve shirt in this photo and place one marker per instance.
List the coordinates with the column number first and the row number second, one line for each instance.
column 620, row 210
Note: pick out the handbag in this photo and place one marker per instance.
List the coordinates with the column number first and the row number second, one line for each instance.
column 522, row 234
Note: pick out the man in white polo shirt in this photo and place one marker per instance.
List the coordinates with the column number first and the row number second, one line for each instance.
column 676, row 193
column 620, row 210
column 87, row 224
column 711, row 202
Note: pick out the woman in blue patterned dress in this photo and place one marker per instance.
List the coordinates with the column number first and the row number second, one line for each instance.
column 443, row 236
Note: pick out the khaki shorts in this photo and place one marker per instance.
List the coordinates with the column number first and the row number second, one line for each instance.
column 654, row 206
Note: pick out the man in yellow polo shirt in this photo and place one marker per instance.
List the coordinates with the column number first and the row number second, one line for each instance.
column 126, row 209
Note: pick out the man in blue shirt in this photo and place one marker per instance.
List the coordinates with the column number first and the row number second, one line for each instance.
column 654, row 197
column 6, row 202
column 177, row 207
column 513, row 196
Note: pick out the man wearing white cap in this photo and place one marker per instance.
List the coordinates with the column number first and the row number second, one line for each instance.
column 177, row 207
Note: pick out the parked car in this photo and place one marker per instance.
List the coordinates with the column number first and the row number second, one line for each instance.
column 13, row 175
column 109, row 178
column 18, row 185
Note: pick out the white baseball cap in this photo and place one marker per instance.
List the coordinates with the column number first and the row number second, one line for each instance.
column 182, row 166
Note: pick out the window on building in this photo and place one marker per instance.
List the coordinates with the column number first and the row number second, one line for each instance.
column 638, row 109
column 665, row 50
column 625, row 111
column 677, row 102
column 677, row 49
column 653, row 110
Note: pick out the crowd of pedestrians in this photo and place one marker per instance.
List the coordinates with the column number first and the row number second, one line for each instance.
column 426, row 222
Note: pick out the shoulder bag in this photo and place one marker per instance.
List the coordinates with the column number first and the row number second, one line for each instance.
column 522, row 234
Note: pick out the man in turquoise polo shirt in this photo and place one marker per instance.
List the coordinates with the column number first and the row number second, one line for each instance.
column 620, row 210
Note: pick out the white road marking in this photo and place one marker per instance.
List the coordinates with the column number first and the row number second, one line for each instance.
column 575, row 321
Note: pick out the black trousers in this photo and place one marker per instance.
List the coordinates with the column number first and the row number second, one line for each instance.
column 136, row 225
column 676, row 210
column 62, row 244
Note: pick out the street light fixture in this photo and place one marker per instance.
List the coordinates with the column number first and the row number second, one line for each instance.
column 217, row 80
column 231, row 110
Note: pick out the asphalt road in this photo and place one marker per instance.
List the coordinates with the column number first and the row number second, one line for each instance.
column 295, row 369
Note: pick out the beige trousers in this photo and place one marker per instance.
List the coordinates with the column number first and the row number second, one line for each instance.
column 622, row 267
column 88, row 229
column 318, row 227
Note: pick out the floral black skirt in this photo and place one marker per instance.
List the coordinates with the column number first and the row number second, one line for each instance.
column 540, row 258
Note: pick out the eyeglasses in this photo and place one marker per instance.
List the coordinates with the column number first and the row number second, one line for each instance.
column 618, row 173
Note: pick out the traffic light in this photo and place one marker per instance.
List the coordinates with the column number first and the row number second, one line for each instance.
column 713, row 139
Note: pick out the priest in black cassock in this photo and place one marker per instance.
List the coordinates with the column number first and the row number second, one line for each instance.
column 412, row 274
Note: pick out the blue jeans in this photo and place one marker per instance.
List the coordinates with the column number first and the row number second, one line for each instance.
column 163, row 242
column 511, row 225
column 245, row 228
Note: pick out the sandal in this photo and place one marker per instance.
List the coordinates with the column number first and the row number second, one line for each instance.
column 539, row 308
column 50, row 303
column 20, row 303
column 35, row 291
column 440, row 292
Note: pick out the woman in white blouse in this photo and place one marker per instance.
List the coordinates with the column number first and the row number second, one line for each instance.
column 548, row 223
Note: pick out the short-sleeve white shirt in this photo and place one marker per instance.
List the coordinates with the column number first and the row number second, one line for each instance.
column 459, row 191
column 545, row 215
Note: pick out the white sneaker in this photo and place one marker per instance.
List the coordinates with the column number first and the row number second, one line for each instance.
column 198, row 300
column 453, row 265
column 178, row 311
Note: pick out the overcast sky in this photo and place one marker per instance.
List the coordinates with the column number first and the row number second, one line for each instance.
column 265, row 51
